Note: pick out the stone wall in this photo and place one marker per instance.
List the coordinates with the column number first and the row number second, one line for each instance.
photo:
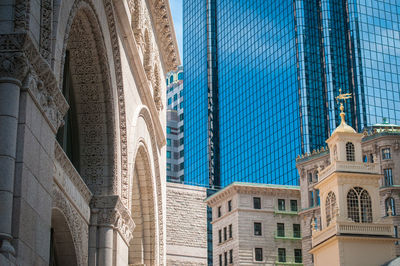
column 186, row 225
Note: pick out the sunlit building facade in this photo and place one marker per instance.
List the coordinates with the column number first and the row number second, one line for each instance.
column 261, row 79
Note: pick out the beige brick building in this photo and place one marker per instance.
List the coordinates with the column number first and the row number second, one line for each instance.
column 186, row 225
column 82, row 131
column 256, row 224
column 381, row 145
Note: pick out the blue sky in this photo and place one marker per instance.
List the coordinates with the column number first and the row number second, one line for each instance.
column 176, row 10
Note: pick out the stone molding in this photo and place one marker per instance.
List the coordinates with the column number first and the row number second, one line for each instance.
column 77, row 225
column 111, row 212
column 20, row 59
column 70, row 170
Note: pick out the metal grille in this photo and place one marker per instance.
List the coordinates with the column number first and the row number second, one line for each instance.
column 330, row 207
column 350, row 151
column 359, row 205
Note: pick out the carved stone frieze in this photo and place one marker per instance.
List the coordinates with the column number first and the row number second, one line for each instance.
column 46, row 28
column 20, row 57
column 76, row 223
column 111, row 212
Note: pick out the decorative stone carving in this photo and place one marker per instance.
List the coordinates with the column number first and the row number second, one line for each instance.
column 157, row 88
column 46, row 28
column 21, row 16
column 112, row 212
column 77, row 225
column 18, row 56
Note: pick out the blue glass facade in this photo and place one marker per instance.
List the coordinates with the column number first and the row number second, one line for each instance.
column 279, row 66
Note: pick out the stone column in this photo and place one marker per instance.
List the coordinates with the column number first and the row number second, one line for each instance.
column 93, row 232
column 106, row 236
column 13, row 69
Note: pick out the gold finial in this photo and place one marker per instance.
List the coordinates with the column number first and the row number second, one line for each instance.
column 344, row 97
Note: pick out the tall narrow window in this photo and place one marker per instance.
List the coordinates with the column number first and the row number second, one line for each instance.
column 219, row 211
column 386, row 154
column 230, row 231
column 226, row 258
column 296, row 231
column 359, row 205
column 390, row 206
column 219, row 236
column 293, row 205
column 220, row 259
column 225, row 234
column 231, row 256
column 258, row 254
column 350, row 151
column 298, row 257
column 281, row 254
column 311, row 198
column 257, row 229
column 257, row 203
column 229, row 205
column 387, row 174
column 281, row 204
column 330, row 207
column 280, row 229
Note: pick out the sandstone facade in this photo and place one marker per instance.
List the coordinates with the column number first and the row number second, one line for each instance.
column 82, row 131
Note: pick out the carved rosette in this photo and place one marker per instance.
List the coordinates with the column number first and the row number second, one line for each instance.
column 112, row 212
column 20, row 59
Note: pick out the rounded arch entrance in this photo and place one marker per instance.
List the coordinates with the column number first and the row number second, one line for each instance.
column 62, row 248
column 142, row 249
column 87, row 136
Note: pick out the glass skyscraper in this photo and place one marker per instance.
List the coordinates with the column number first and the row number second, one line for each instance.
column 261, row 79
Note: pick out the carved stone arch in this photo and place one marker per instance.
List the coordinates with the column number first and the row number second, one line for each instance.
column 137, row 20
column 93, row 98
column 157, row 87
column 144, row 113
column 64, row 212
column 144, row 244
column 147, row 57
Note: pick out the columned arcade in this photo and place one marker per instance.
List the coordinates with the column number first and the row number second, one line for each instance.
column 82, row 131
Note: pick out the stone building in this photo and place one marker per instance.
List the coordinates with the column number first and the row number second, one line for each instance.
column 380, row 145
column 256, row 224
column 186, row 225
column 82, row 131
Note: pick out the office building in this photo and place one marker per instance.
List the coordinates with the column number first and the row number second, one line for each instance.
column 175, row 152
column 261, row 79
column 256, row 224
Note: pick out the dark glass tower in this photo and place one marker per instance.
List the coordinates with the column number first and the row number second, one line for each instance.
column 261, row 79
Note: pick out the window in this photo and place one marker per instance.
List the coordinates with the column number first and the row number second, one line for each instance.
column 396, row 234
column 171, row 79
column 387, row 174
column 318, row 200
column 181, row 105
column 176, row 108
column 226, row 258
column 386, row 154
column 176, row 155
column 258, row 254
column 371, row 158
column 181, row 92
column 229, row 205
column 219, row 236
column 257, row 229
column 359, row 205
column 257, row 203
column 225, row 234
column 169, row 142
column 175, row 97
column 168, row 167
column 168, row 130
column 169, row 101
column 296, row 230
column 281, row 254
column 281, row 204
column 390, row 207
column 181, row 141
column 311, row 198
column 293, row 205
column 182, row 178
column 220, row 259
column 166, row 81
column 181, row 129
column 310, row 178
column 181, row 153
column 180, row 76
column 181, row 166
column 298, row 257
column 231, row 256
column 330, row 207
column 176, row 143
column 168, row 154
column 181, row 117
column 219, row 211
column 350, row 151
column 280, row 229
column 365, row 158
column 230, row 231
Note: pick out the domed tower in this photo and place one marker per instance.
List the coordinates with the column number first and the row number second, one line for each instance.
column 352, row 231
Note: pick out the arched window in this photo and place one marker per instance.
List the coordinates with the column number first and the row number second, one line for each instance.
column 330, row 207
column 389, row 202
column 359, row 205
column 350, row 151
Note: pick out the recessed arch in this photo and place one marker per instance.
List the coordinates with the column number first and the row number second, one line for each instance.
column 62, row 248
